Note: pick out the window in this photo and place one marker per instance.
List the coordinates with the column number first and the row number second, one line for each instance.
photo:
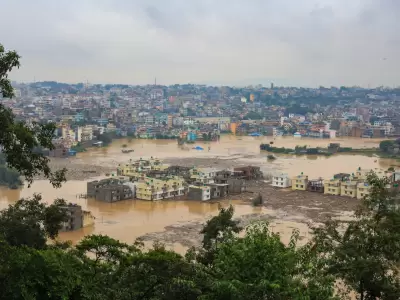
column 281, row 183
column 301, row 186
column 297, row 185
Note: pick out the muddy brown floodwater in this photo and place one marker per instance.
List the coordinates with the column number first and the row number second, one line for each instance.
column 128, row 220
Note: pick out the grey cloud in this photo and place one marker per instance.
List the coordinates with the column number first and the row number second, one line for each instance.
column 309, row 42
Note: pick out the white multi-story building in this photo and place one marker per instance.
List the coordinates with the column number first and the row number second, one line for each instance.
column 281, row 180
column 204, row 175
column 200, row 193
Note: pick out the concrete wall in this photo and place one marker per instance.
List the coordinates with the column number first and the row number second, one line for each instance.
column 195, row 194
column 114, row 193
column 75, row 218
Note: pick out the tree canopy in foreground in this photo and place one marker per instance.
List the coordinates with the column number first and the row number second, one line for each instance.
column 19, row 139
column 361, row 255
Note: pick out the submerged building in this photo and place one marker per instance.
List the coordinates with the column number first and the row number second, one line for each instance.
column 76, row 218
column 111, row 189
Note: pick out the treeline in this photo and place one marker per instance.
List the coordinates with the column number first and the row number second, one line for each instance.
column 304, row 150
column 363, row 254
column 390, row 146
column 9, row 177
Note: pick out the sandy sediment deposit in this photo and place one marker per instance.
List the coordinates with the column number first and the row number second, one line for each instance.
column 188, row 233
column 78, row 170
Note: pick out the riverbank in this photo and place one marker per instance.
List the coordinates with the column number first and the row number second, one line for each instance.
column 284, row 209
column 188, row 234
column 77, row 170
column 219, row 162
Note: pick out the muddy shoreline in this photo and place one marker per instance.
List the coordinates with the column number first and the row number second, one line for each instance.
column 287, row 209
column 283, row 208
column 77, row 170
column 219, row 162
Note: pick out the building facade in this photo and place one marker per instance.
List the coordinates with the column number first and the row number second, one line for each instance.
column 281, row 180
column 199, row 193
column 158, row 189
column 332, row 187
column 300, row 182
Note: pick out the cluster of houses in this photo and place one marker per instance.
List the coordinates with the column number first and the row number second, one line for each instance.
column 151, row 179
column 353, row 185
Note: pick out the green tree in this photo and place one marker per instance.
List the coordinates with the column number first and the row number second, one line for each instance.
column 29, row 222
column 218, row 228
column 17, row 138
column 385, row 146
column 215, row 231
column 50, row 274
column 160, row 274
column 104, row 259
column 106, row 138
column 260, row 266
column 365, row 252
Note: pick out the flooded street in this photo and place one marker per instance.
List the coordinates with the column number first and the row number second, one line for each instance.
column 128, row 220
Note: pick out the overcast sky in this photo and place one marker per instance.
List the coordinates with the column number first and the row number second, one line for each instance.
column 289, row 42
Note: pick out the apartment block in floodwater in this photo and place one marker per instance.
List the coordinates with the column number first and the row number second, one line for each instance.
column 141, row 165
column 199, row 193
column 158, row 189
column 332, row 186
column 300, row 182
column 363, row 189
column 76, row 218
column 349, row 188
column 281, row 180
column 111, row 189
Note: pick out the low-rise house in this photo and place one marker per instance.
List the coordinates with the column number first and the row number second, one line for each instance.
column 316, row 185
column 92, row 187
column 349, row 188
column 300, row 182
column 76, row 218
column 141, row 165
column 110, row 189
column 235, row 185
column 363, row 189
column 332, row 186
column 281, row 180
column 218, row 190
column 199, row 193
column 203, row 175
column 114, row 193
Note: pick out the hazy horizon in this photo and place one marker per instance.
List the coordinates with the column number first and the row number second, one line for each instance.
column 292, row 43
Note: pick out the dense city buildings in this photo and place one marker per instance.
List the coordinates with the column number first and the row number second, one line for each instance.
column 85, row 113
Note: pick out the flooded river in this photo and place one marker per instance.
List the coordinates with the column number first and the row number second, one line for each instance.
column 127, row 220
